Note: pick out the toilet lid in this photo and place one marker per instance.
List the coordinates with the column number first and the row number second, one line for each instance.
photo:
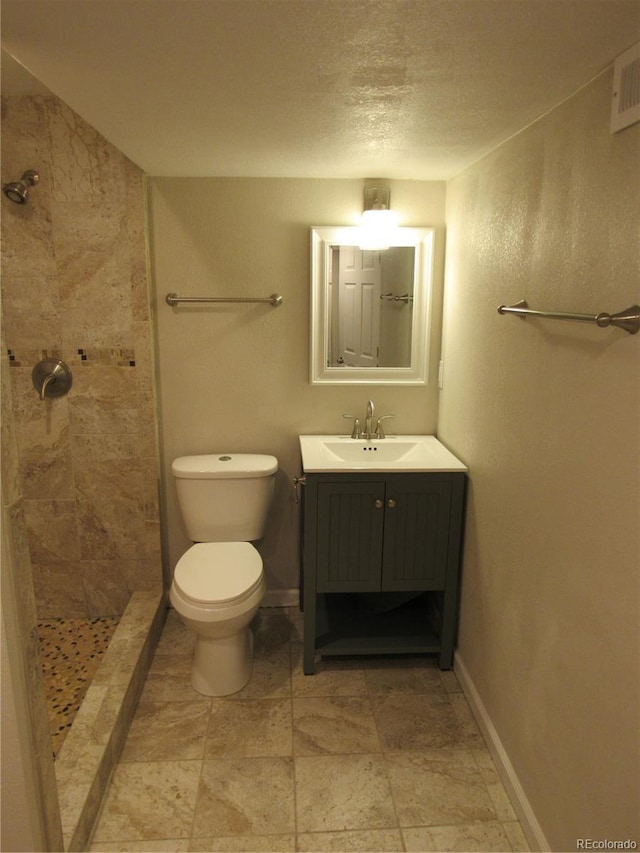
column 218, row 571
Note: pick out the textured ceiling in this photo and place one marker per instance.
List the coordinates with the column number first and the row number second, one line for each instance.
column 413, row 89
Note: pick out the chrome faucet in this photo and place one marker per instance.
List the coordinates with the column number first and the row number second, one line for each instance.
column 372, row 428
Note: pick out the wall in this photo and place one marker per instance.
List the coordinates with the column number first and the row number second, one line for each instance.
column 546, row 415
column 74, row 286
column 236, row 377
column 19, row 825
column 29, row 799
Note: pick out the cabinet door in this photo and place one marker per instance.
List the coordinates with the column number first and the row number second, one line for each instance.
column 416, row 532
column 349, row 547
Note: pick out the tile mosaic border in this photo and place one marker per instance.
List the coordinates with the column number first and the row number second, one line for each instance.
column 92, row 747
column 81, row 356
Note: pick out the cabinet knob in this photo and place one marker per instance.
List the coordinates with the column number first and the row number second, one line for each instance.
column 379, row 504
column 391, row 503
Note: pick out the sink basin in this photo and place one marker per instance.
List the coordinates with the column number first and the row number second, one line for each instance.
column 333, row 453
column 359, row 450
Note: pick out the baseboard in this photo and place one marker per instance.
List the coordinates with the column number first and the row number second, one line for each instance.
column 522, row 806
column 281, row 598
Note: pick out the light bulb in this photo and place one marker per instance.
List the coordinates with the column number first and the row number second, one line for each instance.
column 376, row 228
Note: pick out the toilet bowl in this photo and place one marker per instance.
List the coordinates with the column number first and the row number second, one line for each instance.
column 217, row 585
column 217, row 589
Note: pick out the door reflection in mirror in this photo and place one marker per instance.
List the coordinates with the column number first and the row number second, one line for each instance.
column 370, row 306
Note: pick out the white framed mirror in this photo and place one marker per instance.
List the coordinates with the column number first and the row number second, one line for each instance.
column 370, row 309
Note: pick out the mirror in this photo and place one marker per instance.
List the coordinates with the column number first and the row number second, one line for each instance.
column 370, row 308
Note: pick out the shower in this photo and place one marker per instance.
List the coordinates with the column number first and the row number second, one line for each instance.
column 18, row 191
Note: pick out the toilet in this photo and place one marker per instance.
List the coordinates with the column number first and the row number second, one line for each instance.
column 218, row 583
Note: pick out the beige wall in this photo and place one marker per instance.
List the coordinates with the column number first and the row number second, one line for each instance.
column 30, row 819
column 74, row 286
column 546, row 415
column 237, row 377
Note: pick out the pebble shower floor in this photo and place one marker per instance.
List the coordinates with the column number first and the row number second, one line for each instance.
column 71, row 653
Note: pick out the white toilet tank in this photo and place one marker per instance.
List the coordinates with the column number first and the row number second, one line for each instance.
column 225, row 497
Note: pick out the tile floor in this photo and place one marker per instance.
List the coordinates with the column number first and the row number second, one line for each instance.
column 367, row 754
column 71, row 651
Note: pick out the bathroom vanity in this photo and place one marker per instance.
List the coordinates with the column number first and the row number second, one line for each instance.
column 382, row 529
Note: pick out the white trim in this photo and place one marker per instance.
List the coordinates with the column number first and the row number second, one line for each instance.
column 281, row 598
column 529, row 822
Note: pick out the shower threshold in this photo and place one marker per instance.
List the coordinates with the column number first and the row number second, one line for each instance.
column 94, row 742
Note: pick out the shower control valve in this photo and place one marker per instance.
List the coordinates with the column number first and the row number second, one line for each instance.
column 51, row 378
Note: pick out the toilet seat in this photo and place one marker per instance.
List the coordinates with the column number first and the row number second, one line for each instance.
column 220, row 573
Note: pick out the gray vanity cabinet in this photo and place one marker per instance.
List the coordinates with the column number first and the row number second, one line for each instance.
column 349, row 535
column 389, row 534
column 381, row 557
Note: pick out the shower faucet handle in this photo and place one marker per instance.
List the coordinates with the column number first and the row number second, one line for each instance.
column 51, row 378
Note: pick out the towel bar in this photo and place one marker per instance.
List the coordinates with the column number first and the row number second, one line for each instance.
column 173, row 299
column 629, row 319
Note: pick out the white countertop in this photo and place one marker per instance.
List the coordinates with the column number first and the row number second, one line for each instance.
column 402, row 453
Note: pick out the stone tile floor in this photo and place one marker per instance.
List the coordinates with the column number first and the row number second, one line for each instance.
column 71, row 651
column 376, row 754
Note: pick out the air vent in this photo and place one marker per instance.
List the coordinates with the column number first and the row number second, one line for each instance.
column 625, row 106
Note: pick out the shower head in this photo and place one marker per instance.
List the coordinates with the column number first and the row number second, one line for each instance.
column 18, row 191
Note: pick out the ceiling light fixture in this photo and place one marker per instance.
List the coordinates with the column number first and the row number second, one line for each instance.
column 378, row 222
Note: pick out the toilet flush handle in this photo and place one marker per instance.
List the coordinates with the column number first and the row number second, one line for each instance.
column 299, row 481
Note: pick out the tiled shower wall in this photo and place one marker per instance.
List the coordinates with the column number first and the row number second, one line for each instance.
column 74, row 286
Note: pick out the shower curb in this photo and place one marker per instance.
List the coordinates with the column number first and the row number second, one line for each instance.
column 92, row 748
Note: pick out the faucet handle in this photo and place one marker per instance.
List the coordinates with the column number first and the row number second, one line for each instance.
column 355, row 433
column 379, row 428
